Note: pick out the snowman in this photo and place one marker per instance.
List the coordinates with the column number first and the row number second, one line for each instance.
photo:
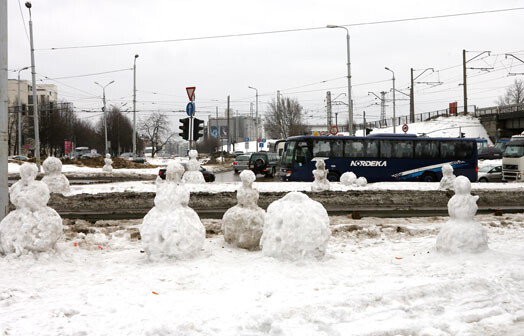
column 461, row 233
column 33, row 226
column 446, row 183
column 321, row 182
column 171, row 229
column 55, row 180
column 107, row 164
column 193, row 173
column 242, row 224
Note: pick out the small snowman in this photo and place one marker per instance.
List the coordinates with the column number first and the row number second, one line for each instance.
column 171, row 229
column 461, row 233
column 242, row 224
column 446, row 183
column 33, row 226
column 193, row 173
column 55, row 180
column 107, row 164
column 295, row 228
column 321, row 182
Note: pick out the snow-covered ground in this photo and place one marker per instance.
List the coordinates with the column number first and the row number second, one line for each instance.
column 379, row 277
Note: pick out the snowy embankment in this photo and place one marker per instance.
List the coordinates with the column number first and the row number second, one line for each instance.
column 379, row 277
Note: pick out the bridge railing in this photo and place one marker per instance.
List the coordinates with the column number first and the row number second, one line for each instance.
column 498, row 110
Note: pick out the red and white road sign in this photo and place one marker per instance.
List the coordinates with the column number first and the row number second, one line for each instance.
column 191, row 93
column 405, row 128
column 333, row 130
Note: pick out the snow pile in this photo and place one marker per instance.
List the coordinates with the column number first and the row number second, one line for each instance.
column 461, row 233
column 193, row 174
column 242, row 224
column 55, row 180
column 321, row 182
column 32, row 227
column 107, row 164
column 295, row 227
column 350, row 179
column 448, row 178
column 171, row 228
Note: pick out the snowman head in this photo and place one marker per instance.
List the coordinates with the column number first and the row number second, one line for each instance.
column 462, row 185
column 447, row 170
column 108, row 155
column 28, row 172
column 193, row 154
column 52, row 165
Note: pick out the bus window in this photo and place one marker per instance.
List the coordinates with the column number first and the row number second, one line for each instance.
column 426, row 150
column 355, row 149
column 403, row 149
column 463, row 149
column 371, row 148
column 321, row 148
column 337, row 148
column 447, row 150
column 386, row 149
column 302, row 153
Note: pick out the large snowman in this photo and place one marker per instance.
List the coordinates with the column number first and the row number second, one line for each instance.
column 193, row 173
column 171, row 228
column 461, row 233
column 295, row 227
column 108, row 164
column 320, row 174
column 55, row 180
column 33, row 226
column 242, row 224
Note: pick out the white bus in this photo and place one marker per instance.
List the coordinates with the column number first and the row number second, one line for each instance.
column 513, row 160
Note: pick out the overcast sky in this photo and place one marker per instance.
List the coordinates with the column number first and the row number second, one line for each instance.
column 302, row 64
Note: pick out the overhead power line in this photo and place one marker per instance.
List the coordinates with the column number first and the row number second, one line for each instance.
column 91, row 74
column 285, row 30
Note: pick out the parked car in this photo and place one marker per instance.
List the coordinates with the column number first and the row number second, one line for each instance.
column 90, row 156
column 490, row 174
column 208, row 176
column 489, row 153
column 238, row 152
column 241, row 163
column 126, row 155
column 266, row 163
column 17, row 157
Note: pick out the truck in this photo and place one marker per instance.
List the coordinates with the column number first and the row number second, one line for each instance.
column 513, row 160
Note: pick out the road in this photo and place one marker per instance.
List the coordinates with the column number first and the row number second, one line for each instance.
column 231, row 176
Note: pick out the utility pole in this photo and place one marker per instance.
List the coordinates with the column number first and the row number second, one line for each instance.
column 35, row 96
column 4, row 197
column 134, row 107
column 365, row 127
column 464, row 81
column 383, row 105
column 228, row 128
column 219, row 138
column 20, row 114
column 328, row 101
column 105, row 112
column 464, row 74
column 412, row 99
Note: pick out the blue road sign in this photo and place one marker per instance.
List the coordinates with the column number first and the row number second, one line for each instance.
column 190, row 109
column 263, row 140
column 261, row 144
column 246, row 140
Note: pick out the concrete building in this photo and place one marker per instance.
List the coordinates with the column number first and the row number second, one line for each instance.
column 240, row 128
column 47, row 93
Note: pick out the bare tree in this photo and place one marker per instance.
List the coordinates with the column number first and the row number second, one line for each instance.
column 155, row 130
column 284, row 119
column 514, row 94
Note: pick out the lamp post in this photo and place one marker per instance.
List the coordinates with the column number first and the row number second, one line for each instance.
column 350, row 102
column 256, row 115
column 394, row 121
column 105, row 113
column 134, row 107
column 20, row 114
column 35, row 96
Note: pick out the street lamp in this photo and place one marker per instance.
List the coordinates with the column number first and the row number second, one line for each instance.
column 20, row 114
column 394, row 121
column 256, row 115
column 350, row 102
column 105, row 112
column 134, row 107
column 35, row 96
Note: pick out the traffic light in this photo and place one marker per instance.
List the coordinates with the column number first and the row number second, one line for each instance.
column 368, row 130
column 185, row 128
column 198, row 128
column 462, row 134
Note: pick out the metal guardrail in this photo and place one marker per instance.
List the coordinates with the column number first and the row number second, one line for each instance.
column 424, row 116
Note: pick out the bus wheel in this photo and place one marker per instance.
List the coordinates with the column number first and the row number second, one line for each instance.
column 333, row 177
column 429, row 177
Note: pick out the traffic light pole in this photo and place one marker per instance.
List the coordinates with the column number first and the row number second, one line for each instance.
column 191, row 132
